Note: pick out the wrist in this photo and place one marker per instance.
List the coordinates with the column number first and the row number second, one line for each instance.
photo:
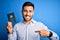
column 50, row 34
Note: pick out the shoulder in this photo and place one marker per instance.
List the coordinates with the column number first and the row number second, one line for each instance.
column 38, row 22
column 41, row 25
column 17, row 25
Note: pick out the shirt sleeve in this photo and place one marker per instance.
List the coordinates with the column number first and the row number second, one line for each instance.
column 12, row 36
column 54, row 35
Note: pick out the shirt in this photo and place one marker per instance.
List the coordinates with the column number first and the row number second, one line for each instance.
column 22, row 31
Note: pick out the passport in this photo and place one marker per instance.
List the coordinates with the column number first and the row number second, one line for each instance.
column 11, row 17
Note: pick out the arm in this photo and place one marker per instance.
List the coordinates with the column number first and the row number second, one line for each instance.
column 45, row 32
column 54, row 36
column 12, row 36
column 11, row 32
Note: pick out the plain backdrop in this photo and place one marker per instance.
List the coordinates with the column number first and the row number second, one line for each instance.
column 46, row 11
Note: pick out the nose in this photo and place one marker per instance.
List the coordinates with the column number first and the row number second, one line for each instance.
column 27, row 12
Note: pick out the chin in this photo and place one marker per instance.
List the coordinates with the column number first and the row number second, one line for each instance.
column 27, row 19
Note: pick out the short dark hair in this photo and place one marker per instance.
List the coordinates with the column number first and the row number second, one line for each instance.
column 28, row 4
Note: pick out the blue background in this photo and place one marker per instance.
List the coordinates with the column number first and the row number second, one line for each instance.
column 46, row 11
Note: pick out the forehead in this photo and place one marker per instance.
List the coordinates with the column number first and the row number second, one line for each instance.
column 28, row 7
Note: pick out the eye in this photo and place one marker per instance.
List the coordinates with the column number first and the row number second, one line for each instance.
column 25, row 10
column 30, row 11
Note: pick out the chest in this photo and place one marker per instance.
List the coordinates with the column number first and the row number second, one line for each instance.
column 29, row 30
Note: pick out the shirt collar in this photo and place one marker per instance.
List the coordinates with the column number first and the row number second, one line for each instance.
column 32, row 21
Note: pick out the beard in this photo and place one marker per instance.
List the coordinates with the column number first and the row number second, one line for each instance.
column 27, row 18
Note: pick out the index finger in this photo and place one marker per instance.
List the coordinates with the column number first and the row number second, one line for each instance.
column 38, row 31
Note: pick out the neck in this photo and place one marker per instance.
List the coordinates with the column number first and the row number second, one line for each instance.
column 28, row 22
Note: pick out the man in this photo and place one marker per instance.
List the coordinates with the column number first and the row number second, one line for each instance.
column 29, row 29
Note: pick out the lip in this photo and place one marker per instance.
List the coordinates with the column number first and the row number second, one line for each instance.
column 26, row 16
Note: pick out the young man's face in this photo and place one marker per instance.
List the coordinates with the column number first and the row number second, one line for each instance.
column 28, row 12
